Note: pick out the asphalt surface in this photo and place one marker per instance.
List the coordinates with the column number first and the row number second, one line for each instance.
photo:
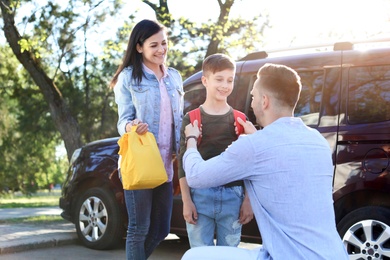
column 15, row 238
column 21, row 237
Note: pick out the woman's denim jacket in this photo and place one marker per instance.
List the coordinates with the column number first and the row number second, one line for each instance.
column 142, row 101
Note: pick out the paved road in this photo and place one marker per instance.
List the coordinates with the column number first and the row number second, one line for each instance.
column 18, row 238
column 167, row 250
column 170, row 249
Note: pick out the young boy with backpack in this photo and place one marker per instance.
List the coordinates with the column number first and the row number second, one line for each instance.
column 219, row 210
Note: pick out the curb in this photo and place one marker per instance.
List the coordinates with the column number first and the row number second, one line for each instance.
column 44, row 243
column 22, row 237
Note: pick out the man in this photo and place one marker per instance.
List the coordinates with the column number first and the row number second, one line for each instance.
column 288, row 174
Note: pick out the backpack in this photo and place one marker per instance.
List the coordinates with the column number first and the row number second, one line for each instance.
column 195, row 115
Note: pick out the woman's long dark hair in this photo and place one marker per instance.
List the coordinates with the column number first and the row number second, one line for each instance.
column 141, row 31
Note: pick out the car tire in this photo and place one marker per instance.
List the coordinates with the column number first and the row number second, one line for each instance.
column 366, row 233
column 99, row 224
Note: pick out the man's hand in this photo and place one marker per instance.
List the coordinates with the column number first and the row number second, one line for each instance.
column 249, row 128
column 192, row 129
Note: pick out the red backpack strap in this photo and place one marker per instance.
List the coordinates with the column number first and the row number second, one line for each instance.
column 241, row 115
column 195, row 115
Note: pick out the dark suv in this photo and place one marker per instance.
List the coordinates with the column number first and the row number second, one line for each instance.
column 345, row 96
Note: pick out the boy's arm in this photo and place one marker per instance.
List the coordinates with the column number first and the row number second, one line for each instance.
column 246, row 212
column 189, row 210
column 180, row 170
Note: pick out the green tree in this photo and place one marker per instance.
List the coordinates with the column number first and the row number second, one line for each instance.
column 61, row 89
column 27, row 136
column 75, row 91
column 28, row 133
column 49, row 52
column 235, row 37
column 27, row 51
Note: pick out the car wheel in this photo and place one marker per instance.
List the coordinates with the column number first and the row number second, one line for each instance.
column 98, row 219
column 366, row 233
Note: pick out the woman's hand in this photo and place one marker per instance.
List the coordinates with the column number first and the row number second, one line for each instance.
column 142, row 128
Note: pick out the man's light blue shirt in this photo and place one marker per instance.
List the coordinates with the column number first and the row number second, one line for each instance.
column 288, row 173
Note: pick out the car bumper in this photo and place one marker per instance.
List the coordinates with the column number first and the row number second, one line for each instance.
column 64, row 205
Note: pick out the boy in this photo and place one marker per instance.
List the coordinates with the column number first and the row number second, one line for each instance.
column 224, row 209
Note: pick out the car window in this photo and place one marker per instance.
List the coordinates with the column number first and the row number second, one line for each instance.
column 369, row 94
column 245, row 100
column 194, row 96
column 238, row 98
column 308, row 106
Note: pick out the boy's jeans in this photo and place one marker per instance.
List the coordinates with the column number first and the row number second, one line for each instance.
column 218, row 212
column 149, row 213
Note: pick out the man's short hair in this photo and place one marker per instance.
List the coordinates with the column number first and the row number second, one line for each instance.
column 283, row 82
column 217, row 62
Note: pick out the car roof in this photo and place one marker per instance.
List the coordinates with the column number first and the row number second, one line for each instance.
column 307, row 57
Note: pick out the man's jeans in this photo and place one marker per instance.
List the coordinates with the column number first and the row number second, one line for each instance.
column 218, row 212
column 149, row 213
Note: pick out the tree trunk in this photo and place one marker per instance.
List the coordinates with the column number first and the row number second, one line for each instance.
column 60, row 113
column 215, row 39
column 162, row 12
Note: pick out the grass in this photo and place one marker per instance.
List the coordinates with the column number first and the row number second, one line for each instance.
column 39, row 199
column 34, row 220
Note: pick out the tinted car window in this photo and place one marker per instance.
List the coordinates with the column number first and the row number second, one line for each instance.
column 369, row 94
column 194, row 96
column 308, row 106
column 246, row 82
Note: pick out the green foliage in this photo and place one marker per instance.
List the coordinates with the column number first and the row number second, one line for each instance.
column 80, row 75
column 236, row 37
column 27, row 135
column 28, row 138
column 39, row 199
column 27, row 45
column 60, row 35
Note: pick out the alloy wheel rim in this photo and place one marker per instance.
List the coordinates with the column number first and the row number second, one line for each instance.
column 93, row 219
column 368, row 239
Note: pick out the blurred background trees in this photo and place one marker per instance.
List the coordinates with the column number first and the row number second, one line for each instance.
column 54, row 83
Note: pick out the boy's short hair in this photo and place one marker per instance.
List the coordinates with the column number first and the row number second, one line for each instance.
column 217, row 62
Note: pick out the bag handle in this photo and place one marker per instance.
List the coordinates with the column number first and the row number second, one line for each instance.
column 133, row 128
column 141, row 138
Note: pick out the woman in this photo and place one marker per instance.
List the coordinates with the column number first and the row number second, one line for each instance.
column 149, row 95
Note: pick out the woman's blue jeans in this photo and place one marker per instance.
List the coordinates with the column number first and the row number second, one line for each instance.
column 149, row 212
